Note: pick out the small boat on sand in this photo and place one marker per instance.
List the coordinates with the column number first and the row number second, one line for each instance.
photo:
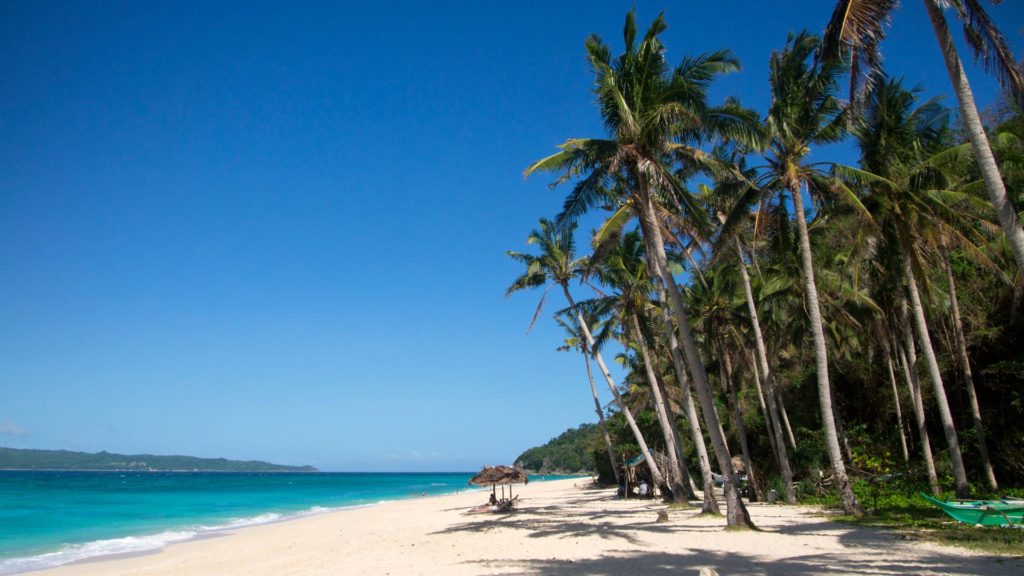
column 1006, row 512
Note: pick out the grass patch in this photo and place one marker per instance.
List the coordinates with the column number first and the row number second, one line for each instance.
column 932, row 525
column 896, row 506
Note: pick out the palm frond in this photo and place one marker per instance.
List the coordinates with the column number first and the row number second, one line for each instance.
column 854, row 34
column 989, row 46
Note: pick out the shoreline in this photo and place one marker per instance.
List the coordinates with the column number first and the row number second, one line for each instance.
column 561, row 526
column 156, row 542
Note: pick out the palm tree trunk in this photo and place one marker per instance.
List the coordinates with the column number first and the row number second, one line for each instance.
column 768, row 420
column 675, row 473
column 741, row 428
column 710, row 504
column 783, row 414
column 841, row 429
column 908, row 352
column 896, row 403
column 921, row 327
column 600, row 417
column 651, row 464
column 775, row 430
column 736, row 512
column 850, row 504
column 965, row 365
column 689, row 490
column 976, row 134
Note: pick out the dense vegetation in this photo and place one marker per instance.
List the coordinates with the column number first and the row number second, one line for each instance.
column 571, row 452
column 15, row 459
column 824, row 327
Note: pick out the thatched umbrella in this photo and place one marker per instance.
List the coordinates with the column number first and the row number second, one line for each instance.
column 495, row 475
column 739, row 465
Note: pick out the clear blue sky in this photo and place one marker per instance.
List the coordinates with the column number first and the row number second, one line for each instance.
column 255, row 231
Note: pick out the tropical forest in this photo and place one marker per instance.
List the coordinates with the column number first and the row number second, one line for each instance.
column 846, row 333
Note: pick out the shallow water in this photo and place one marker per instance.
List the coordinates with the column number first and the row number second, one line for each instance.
column 52, row 518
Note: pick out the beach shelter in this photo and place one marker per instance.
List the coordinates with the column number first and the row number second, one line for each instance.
column 629, row 473
column 494, row 476
column 633, row 472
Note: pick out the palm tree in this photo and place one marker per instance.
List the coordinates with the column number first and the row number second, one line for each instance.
column 895, row 397
column 576, row 341
column 856, row 30
column 558, row 265
column 624, row 269
column 646, row 106
column 716, row 303
column 727, row 187
column 965, row 367
column 903, row 150
column 908, row 361
column 804, row 112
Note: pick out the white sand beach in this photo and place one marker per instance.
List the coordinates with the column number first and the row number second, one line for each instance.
column 561, row 527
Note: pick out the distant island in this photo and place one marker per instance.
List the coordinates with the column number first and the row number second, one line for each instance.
column 572, row 452
column 15, row 459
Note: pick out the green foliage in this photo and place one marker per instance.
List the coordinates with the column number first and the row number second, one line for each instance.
column 894, row 504
column 15, row 459
column 915, row 197
column 572, row 451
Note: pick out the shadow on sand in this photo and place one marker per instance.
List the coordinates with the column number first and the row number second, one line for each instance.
column 626, row 526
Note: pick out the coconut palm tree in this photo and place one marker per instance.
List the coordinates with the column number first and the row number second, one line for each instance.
column 736, row 187
column 575, row 341
column 908, row 362
column 624, row 269
column 965, row 367
column 856, row 30
column 647, row 107
column 804, row 112
column 716, row 303
column 904, row 152
column 557, row 265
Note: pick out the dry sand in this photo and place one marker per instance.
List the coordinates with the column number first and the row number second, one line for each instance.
column 560, row 528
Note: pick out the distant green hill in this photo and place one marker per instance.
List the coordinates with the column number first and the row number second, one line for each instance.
column 15, row 459
column 570, row 452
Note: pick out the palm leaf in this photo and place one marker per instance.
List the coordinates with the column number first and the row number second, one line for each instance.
column 854, row 34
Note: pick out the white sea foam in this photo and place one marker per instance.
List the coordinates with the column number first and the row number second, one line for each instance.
column 141, row 544
column 76, row 552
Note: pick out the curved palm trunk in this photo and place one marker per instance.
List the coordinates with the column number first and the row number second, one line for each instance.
column 785, row 418
column 896, row 403
column 655, row 472
column 769, row 424
column 844, row 439
column 600, row 417
column 675, row 473
column 921, row 328
column 762, row 357
column 736, row 512
column 965, row 365
column 906, row 352
column 741, row 428
column 710, row 504
column 976, row 133
column 850, row 504
column 689, row 489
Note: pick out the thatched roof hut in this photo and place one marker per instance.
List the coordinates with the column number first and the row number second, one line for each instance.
column 494, row 475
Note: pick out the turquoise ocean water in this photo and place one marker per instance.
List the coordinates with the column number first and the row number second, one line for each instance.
column 52, row 518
